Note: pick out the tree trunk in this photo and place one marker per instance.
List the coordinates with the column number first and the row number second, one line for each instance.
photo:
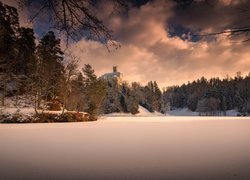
column 64, row 102
column 4, row 93
column 2, row 100
column 35, row 102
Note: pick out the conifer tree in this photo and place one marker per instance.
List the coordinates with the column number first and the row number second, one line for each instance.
column 50, row 70
column 9, row 25
column 26, row 60
column 94, row 90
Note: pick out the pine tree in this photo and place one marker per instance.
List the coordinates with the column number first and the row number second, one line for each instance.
column 152, row 97
column 94, row 90
column 111, row 102
column 224, row 105
column 50, row 70
column 157, row 97
column 25, row 65
column 129, row 102
column 26, row 52
column 9, row 25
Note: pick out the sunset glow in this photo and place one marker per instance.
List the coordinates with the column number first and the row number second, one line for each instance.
column 159, row 42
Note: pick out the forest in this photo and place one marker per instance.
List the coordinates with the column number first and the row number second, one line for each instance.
column 41, row 71
column 211, row 96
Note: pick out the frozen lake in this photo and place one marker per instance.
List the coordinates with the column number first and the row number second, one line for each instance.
column 128, row 148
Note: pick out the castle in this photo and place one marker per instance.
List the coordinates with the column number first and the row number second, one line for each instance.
column 113, row 75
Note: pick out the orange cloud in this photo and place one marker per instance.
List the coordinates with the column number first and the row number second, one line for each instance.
column 149, row 53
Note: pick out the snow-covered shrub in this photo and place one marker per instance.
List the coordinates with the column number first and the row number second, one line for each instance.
column 15, row 118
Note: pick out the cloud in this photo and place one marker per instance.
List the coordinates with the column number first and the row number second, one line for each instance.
column 213, row 16
column 149, row 53
column 146, row 25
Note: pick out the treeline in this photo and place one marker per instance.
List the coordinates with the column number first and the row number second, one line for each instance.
column 211, row 96
column 127, row 98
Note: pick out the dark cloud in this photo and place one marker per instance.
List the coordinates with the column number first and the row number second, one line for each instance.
column 213, row 16
column 139, row 3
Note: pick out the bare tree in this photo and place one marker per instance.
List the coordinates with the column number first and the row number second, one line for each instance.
column 77, row 18
column 70, row 73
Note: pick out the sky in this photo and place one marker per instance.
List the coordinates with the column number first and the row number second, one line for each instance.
column 159, row 41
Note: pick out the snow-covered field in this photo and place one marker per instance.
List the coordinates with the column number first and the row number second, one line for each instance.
column 156, row 147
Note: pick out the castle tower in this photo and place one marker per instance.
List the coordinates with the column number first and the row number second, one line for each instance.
column 114, row 69
column 113, row 75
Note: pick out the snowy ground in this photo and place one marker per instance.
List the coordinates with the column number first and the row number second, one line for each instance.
column 25, row 106
column 143, row 112
column 128, row 148
column 187, row 112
